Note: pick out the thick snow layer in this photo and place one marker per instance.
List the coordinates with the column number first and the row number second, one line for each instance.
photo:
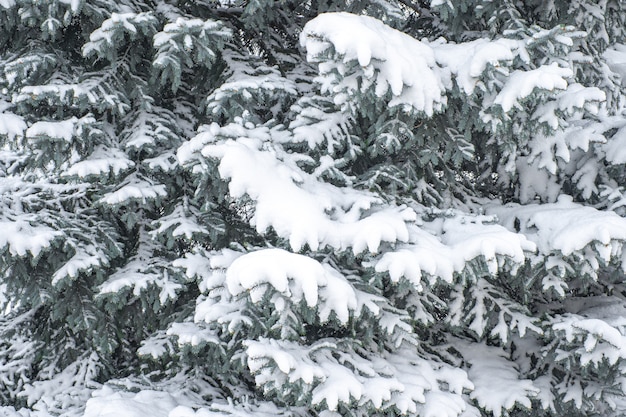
column 575, row 97
column 566, row 226
column 134, row 187
column 63, row 130
column 451, row 244
column 22, row 237
column 231, row 280
column 522, row 84
column 107, row 403
column 616, row 59
column 102, row 161
column 292, row 202
column 497, row 383
column 534, row 177
column 597, row 340
column 467, row 61
column 416, row 73
column 12, row 126
column 192, row 334
column 396, row 381
column 296, row 276
column 390, row 60
column 615, row 148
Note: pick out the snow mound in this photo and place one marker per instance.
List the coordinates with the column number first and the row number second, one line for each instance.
column 12, row 126
column 21, row 237
column 498, row 387
column 297, row 277
column 566, row 226
column 103, row 160
column 389, row 381
column 467, row 61
column 292, row 202
column 391, row 60
column 522, row 84
column 107, row 403
column 452, row 242
column 62, row 131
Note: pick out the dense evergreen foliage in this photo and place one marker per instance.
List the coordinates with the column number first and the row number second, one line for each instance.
column 312, row 208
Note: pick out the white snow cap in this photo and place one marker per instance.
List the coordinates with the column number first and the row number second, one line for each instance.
column 390, row 59
column 296, row 276
column 293, row 202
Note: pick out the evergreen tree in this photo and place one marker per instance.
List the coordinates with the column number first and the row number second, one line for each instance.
column 319, row 208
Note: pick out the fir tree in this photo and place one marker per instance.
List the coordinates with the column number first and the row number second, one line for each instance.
column 392, row 207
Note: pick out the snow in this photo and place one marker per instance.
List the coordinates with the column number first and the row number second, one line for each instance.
column 156, row 346
column 595, row 340
column 12, row 126
column 522, row 84
column 535, row 179
column 139, row 401
column 418, row 73
column 69, row 94
column 182, row 25
column 298, row 277
column 165, row 162
column 75, row 5
column 292, row 202
column 63, row 130
column 107, row 403
column 109, row 29
column 142, row 270
column 248, row 81
column 575, row 98
column 442, row 404
column 181, row 223
column 565, row 226
column 615, row 148
column 192, row 334
column 467, row 61
column 289, row 357
column 452, row 243
column 21, row 237
column 199, row 265
column 313, row 126
column 497, row 384
column 388, row 381
column 85, row 259
column 391, row 60
column 63, row 387
column 102, row 161
column 134, row 187
column 616, row 59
